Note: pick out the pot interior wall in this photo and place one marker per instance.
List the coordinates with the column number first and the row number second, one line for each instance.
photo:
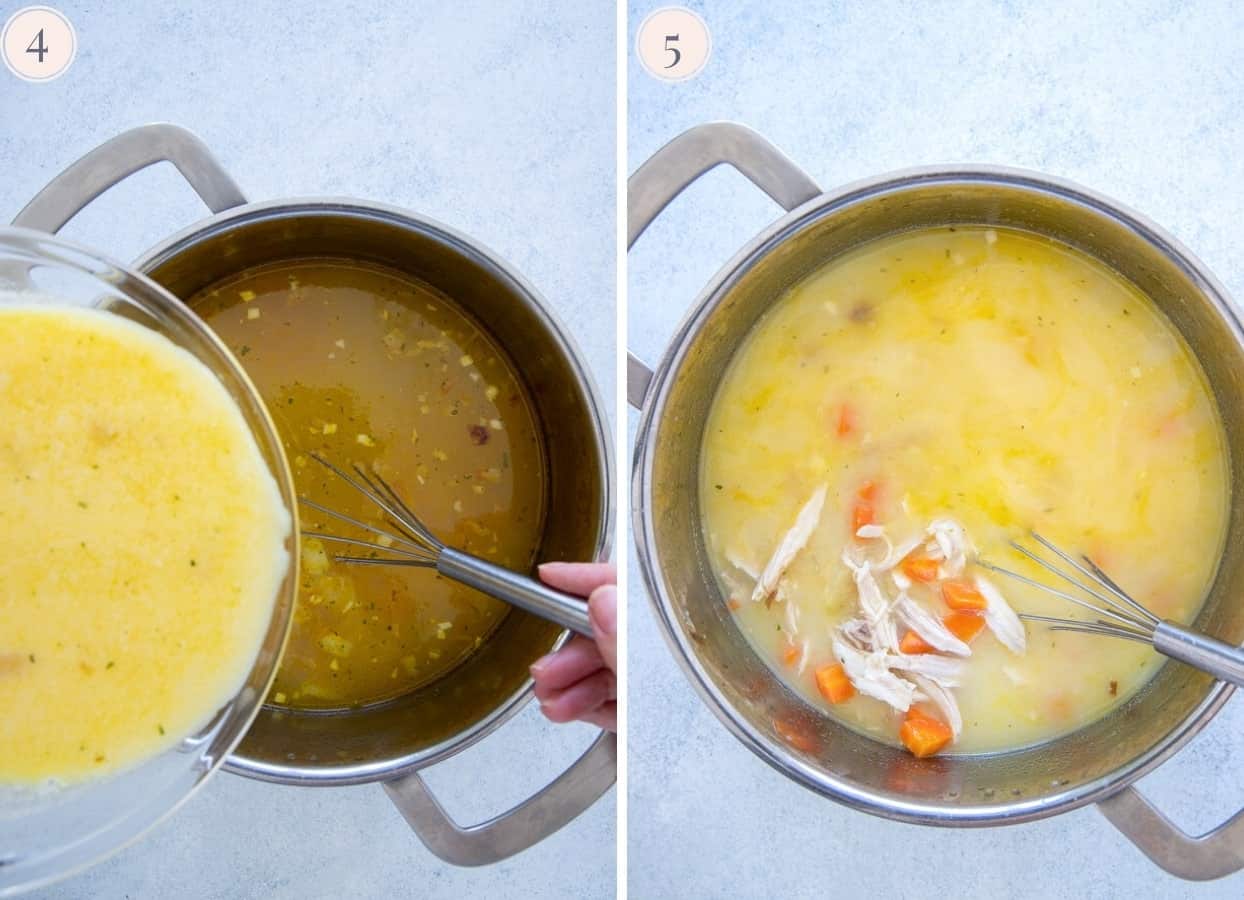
column 575, row 525
column 829, row 756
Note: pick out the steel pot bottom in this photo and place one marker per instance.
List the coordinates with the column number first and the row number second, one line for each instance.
column 773, row 721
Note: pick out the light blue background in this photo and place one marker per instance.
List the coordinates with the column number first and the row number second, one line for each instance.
column 1143, row 101
column 495, row 118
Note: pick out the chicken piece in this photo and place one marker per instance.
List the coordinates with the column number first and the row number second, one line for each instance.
column 942, row 669
column 929, row 627
column 949, row 543
column 874, row 605
column 943, row 699
column 870, row 675
column 792, row 542
column 1001, row 619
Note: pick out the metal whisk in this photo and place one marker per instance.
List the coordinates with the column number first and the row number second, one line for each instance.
column 412, row 544
column 1123, row 617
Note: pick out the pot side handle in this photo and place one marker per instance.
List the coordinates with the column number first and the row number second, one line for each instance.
column 1212, row 855
column 528, row 823
column 669, row 171
column 115, row 160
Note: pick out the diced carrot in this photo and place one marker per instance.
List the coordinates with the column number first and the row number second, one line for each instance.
column 920, row 568
column 864, row 511
column 846, row 420
column 964, row 625
column 833, row 683
column 796, row 734
column 863, row 514
column 922, row 734
column 791, row 654
column 961, row 595
column 913, row 643
column 734, row 605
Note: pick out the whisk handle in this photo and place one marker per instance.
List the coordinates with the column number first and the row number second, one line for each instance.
column 1201, row 651
column 526, row 593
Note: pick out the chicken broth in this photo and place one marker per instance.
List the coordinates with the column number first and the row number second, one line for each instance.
column 360, row 364
column 145, row 543
column 916, row 405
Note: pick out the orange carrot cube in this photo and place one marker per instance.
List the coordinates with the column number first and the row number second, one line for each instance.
column 961, row 595
column 920, row 568
column 833, row 683
column 922, row 734
column 913, row 643
column 964, row 625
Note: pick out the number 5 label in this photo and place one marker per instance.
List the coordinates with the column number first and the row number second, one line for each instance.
column 673, row 44
column 38, row 43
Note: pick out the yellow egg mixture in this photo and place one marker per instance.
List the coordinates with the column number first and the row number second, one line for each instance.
column 144, row 544
column 989, row 376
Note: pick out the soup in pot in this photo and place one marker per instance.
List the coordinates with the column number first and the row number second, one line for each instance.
column 362, row 365
column 907, row 411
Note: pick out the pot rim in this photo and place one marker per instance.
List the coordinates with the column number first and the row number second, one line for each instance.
column 294, row 207
column 643, row 526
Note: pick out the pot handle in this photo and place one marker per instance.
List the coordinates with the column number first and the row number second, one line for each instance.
column 528, row 823
column 115, row 160
column 1208, row 856
column 669, row 171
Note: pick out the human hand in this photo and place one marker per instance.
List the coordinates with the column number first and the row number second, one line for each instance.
column 579, row 681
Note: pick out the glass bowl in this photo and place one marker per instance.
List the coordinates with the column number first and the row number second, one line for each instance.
column 47, row 836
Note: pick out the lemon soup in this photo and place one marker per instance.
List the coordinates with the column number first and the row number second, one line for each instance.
column 144, row 544
column 908, row 410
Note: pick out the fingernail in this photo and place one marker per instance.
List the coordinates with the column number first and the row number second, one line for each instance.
column 605, row 614
column 538, row 666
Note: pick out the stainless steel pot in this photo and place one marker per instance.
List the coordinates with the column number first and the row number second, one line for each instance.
column 1097, row 764
column 391, row 743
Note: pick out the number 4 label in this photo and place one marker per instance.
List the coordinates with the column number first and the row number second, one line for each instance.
column 38, row 43
column 37, row 46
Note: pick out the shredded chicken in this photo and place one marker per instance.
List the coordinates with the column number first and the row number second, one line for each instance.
column 790, row 545
column 870, row 675
column 874, row 605
column 929, row 627
column 943, row 699
column 942, row 669
column 949, row 543
column 1001, row 619
column 858, row 633
column 893, row 553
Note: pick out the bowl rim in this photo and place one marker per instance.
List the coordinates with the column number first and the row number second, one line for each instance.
column 296, row 207
column 648, row 553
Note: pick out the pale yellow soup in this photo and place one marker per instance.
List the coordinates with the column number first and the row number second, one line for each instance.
column 144, row 545
column 989, row 376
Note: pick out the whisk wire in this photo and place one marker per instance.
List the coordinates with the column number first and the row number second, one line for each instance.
column 1126, row 621
column 1132, row 621
column 358, row 523
column 1111, row 608
column 1094, row 572
column 403, row 514
column 418, row 547
column 423, row 556
column 371, row 494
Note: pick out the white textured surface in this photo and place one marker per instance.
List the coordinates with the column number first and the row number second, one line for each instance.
column 495, row 118
column 1139, row 100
